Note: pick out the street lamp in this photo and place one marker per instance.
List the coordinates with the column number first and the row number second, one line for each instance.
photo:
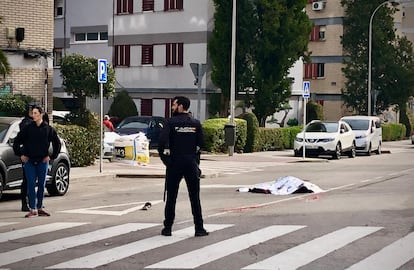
column 394, row 3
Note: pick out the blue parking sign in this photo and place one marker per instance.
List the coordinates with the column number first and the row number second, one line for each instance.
column 306, row 89
column 102, row 71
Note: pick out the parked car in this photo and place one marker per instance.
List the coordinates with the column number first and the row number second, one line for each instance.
column 11, row 170
column 412, row 137
column 149, row 125
column 59, row 117
column 329, row 138
column 368, row 133
column 108, row 143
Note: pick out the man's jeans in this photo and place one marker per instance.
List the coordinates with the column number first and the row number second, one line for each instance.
column 36, row 170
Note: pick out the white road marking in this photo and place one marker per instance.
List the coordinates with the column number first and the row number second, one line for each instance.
column 390, row 257
column 221, row 249
column 16, row 234
column 7, row 223
column 307, row 252
column 124, row 251
column 69, row 242
column 96, row 210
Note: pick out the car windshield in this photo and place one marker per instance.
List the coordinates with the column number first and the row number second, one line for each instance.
column 134, row 123
column 358, row 124
column 322, row 127
column 3, row 130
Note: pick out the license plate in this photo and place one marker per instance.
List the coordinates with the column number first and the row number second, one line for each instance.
column 312, row 147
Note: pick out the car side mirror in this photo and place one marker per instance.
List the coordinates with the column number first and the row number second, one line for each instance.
column 342, row 130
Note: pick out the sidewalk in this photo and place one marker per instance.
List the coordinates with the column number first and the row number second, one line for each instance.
column 155, row 168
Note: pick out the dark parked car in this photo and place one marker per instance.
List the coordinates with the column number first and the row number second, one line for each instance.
column 149, row 125
column 11, row 170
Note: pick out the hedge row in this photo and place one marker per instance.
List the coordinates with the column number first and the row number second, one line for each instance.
column 393, row 131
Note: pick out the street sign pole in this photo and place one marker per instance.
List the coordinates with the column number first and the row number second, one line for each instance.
column 198, row 71
column 102, row 78
column 306, row 95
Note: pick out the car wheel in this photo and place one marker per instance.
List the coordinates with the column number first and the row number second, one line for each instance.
column 369, row 150
column 352, row 152
column 296, row 153
column 378, row 151
column 338, row 151
column 60, row 181
column 1, row 186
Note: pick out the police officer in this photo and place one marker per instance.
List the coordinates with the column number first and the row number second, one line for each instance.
column 183, row 135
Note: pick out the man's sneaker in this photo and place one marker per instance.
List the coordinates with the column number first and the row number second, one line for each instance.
column 32, row 213
column 43, row 213
column 200, row 233
column 166, row 232
column 25, row 208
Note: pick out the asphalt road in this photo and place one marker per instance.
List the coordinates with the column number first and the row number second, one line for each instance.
column 363, row 220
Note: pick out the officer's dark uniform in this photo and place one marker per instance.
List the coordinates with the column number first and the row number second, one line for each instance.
column 182, row 134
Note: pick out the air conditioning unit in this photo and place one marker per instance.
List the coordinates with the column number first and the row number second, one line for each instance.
column 318, row 5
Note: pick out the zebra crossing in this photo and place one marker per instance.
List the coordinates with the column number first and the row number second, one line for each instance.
column 392, row 256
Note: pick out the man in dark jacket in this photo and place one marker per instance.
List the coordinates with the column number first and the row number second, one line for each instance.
column 32, row 145
column 184, row 136
column 23, row 188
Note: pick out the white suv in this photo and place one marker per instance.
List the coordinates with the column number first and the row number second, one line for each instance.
column 329, row 138
column 368, row 133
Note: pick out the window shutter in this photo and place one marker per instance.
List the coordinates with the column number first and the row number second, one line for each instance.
column 127, row 55
column 180, row 53
column 146, row 107
column 166, row 7
column 314, row 70
column 180, row 4
column 130, row 6
column 115, row 61
column 118, row 6
column 167, row 53
column 124, row 6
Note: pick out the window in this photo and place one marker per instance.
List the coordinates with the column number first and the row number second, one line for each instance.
column 122, row 55
column 173, row 4
column 314, row 70
column 124, row 6
column 58, row 8
column 91, row 36
column 317, row 33
column 147, row 54
column 174, row 54
column 57, row 57
column 147, row 5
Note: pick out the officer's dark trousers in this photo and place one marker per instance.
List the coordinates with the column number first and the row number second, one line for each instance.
column 183, row 166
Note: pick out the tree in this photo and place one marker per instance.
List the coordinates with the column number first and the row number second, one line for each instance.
column 80, row 78
column 4, row 63
column 219, row 47
column 392, row 71
column 271, row 36
column 281, row 39
column 123, row 106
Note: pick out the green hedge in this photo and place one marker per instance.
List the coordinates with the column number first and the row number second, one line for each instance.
column 270, row 139
column 215, row 138
column 393, row 131
column 252, row 131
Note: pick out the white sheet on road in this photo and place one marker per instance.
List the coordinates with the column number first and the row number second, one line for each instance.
column 283, row 186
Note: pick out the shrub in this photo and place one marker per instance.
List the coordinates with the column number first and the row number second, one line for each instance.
column 292, row 122
column 252, row 131
column 314, row 111
column 15, row 105
column 393, row 131
column 82, row 144
column 213, row 130
column 123, row 106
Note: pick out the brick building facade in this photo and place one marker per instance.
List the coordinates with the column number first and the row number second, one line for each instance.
column 26, row 37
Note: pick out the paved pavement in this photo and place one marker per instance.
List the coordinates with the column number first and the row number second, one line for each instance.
column 212, row 165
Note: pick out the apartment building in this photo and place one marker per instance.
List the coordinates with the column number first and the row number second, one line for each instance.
column 150, row 43
column 26, row 37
